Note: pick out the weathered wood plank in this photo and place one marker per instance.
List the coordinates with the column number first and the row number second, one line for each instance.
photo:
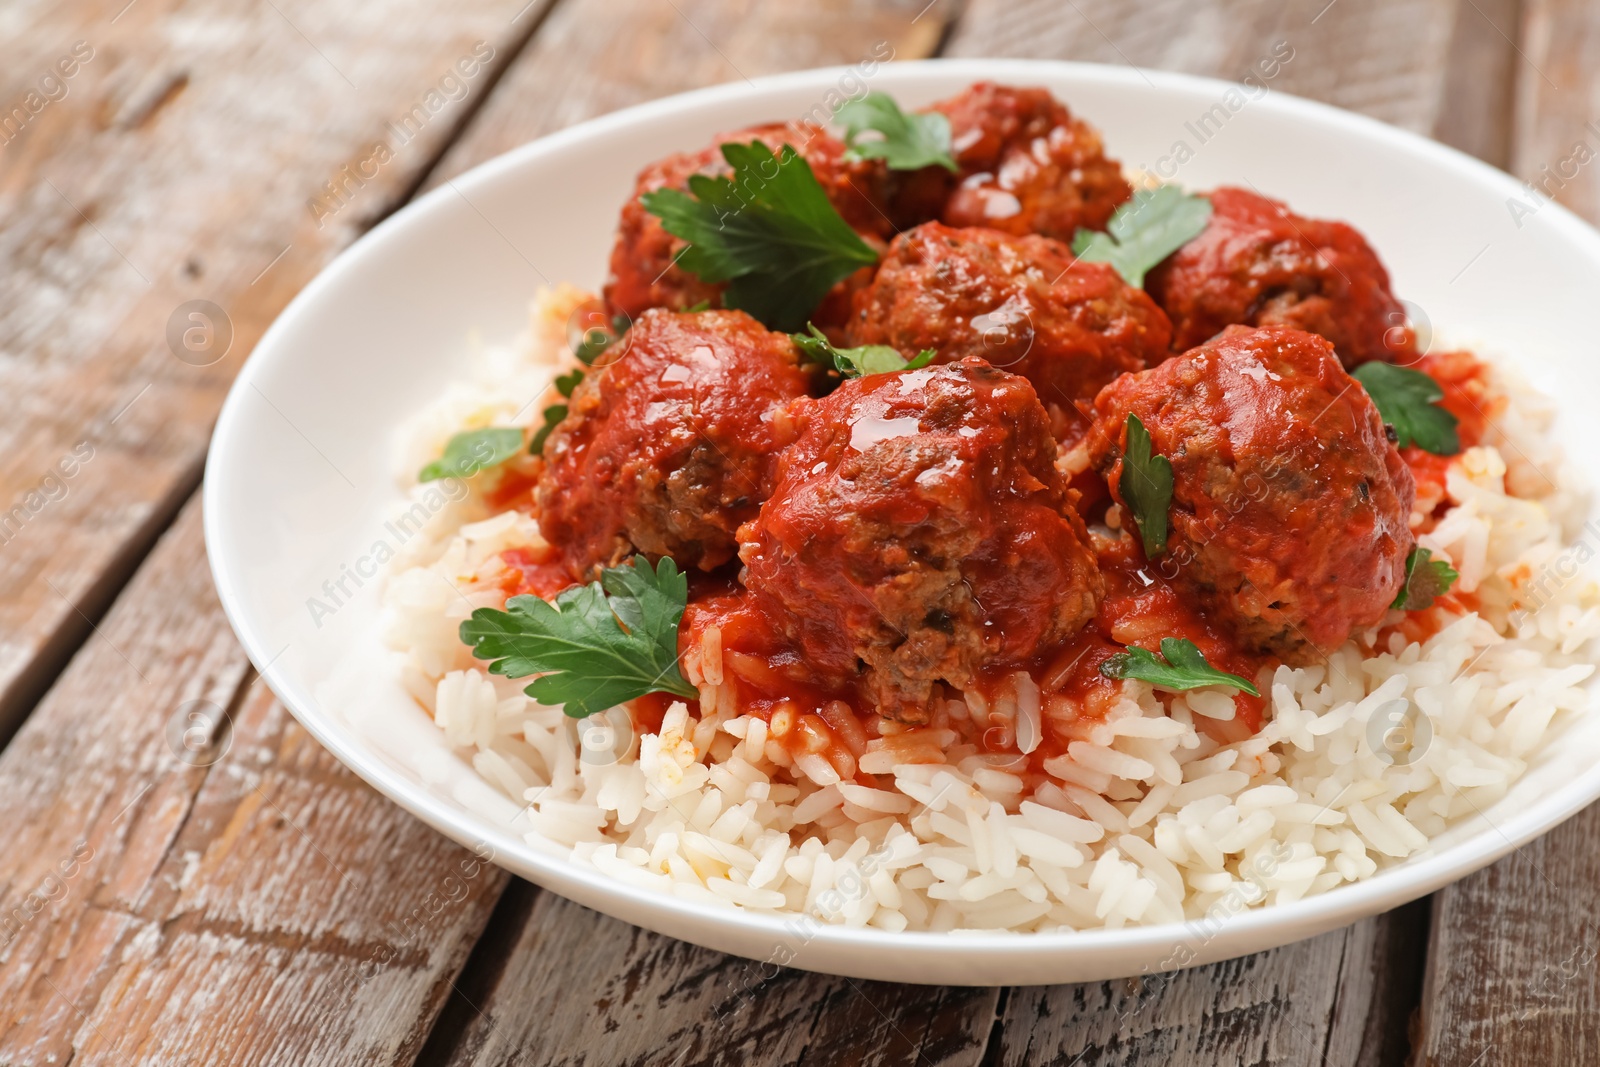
column 590, row 58
column 1392, row 60
column 1330, row 1000
column 233, row 896
column 622, row 996
column 1557, row 133
column 1476, row 102
column 216, row 152
column 1512, row 974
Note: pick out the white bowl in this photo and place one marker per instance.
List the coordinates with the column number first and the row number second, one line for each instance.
column 300, row 471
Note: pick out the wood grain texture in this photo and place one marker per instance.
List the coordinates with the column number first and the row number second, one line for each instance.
column 624, row 996
column 223, row 155
column 253, row 902
column 1391, row 59
column 1557, row 142
column 595, row 56
column 1477, row 98
column 1512, row 965
column 1340, row 999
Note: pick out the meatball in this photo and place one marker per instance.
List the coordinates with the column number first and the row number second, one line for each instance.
column 643, row 272
column 918, row 532
column 1259, row 264
column 1026, row 166
column 669, row 446
column 1290, row 507
column 1021, row 303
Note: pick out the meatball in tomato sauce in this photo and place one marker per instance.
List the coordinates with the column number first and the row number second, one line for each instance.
column 1024, row 304
column 669, row 446
column 1290, row 508
column 1026, row 165
column 1259, row 264
column 644, row 273
column 918, row 531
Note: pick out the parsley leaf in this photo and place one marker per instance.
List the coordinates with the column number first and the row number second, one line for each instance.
column 1185, row 667
column 1144, row 231
column 857, row 362
column 1146, row 487
column 1408, row 400
column 769, row 232
column 596, row 339
column 553, row 414
column 908, row 142
column 1426, row 579
column 598, row 645
column 467, row 453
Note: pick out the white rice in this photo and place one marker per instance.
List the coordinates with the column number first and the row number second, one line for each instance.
column 1144, row 819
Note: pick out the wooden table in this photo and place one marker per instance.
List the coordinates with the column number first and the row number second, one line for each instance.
column 252, row 901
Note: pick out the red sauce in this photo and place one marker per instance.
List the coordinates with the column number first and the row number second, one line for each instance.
column 768, row 674
column 513, row 490
column 1467, row 396
column 537, row 571
column 649, row 710
column 1140, row 608
column 770, row 677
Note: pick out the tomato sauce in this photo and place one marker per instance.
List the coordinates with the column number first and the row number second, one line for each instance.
column 1467, row 396
column 540, row 572
column 514, row 489
column 774, row 681
column 1141, row 606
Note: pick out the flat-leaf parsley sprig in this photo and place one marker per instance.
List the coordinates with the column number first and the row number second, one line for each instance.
column 857, row 362
column 769, row 231
column 467, row 453
column 1146, row 487
column 906, row 141
column 1427, row 579
column 598, row 645
column 1408, row 400
column 553, row 414
column 1144, row 231
column 1180, row 666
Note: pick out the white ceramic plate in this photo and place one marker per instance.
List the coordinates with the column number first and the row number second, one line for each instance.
column 300, row 472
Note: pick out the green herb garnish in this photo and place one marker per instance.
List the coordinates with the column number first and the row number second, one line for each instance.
column 1144, row 231
column 1146, row 487
column 857, row 362
column 908, row 141
column 1426, row 579
column 466, row 454
column 596, row 339
column 704, row 305
column 1185, row 667
column 769, row 232
column 553, row 414
column 598, row 645
column 1408, row 400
